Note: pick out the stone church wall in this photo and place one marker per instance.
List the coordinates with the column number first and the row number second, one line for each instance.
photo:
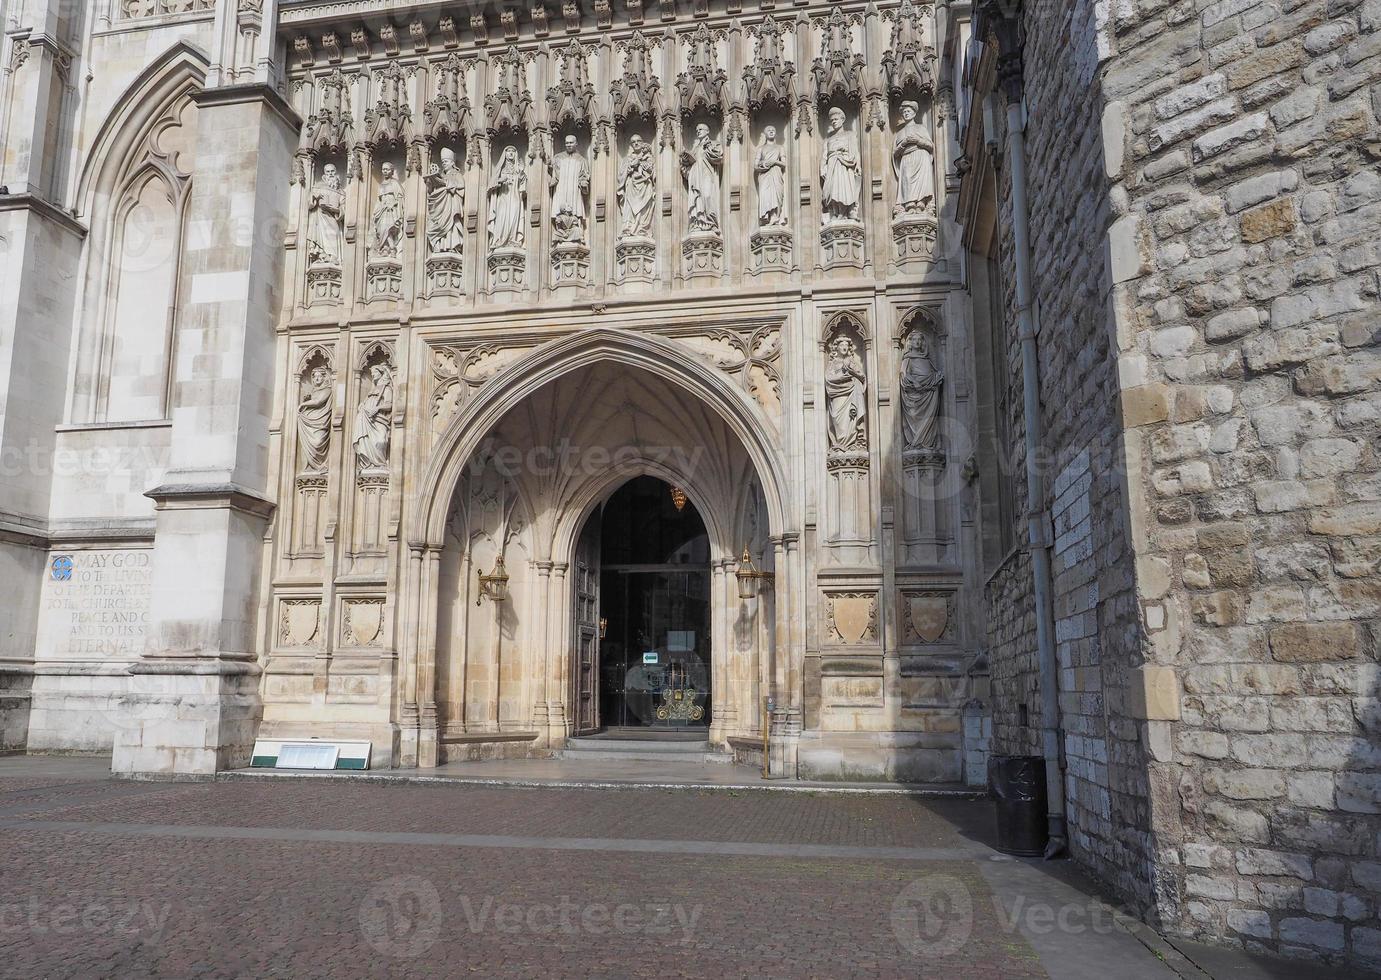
column 1247, row 338
column 1096, row 633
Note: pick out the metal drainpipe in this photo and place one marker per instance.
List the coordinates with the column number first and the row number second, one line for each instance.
column 1038, row 519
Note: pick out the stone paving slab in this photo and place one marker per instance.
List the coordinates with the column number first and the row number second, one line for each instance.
column 866, row 821
column 317, row 878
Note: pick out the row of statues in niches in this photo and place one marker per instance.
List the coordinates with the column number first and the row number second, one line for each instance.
column 568, row 177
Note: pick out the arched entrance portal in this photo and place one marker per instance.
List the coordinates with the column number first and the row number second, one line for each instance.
column 643, row 612
column 531, row 462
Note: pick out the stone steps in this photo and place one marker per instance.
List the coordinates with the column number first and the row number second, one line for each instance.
column 676, row 750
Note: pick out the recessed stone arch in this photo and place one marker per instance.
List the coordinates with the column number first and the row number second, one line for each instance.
column 529, row 404
column 492, row 400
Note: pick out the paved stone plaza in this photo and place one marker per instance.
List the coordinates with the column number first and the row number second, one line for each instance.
column 286, row 877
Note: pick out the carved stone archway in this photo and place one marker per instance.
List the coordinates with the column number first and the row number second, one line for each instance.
column 500, row 410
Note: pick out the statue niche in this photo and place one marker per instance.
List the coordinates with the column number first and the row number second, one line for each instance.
column 913, row 168
column 635, row 252
column 703, row 248
column 371, row 439
column 849, row 504
column 507, row 200
column 770, row 243
column 325, row 237
column 841, row 193
column 315, row 403
column 569, row 177
column 926, row 501
column 387, row 224
column 446, row 225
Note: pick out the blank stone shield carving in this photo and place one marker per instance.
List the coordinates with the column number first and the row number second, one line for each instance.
column 364, row 622
column 927, row 615
column 853, row 616
column 300, row 622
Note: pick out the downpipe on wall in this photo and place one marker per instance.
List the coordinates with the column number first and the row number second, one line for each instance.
column 1039, row 523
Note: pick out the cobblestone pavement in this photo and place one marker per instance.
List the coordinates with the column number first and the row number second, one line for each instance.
column 316, row 878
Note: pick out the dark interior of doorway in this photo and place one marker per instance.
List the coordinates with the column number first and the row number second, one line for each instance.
column 654, row 598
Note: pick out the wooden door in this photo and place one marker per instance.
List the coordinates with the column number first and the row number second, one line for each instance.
column 587, row 637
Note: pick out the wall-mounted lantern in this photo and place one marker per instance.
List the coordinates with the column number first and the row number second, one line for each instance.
column 749, row 576
column 494, row 586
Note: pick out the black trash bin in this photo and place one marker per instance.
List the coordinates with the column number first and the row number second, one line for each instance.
column 1018, row 784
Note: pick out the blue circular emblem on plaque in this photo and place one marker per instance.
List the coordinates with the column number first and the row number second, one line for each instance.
column 62, row 568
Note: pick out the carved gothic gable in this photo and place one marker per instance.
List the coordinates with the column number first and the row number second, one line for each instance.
column 838, row 72
column 572, row 99
column 635, row 93
column 700, row 88
column 509, row 105
column 908, row 63
column 389, row 121
column 331, row 128
column 769, row 79
column 447, row 114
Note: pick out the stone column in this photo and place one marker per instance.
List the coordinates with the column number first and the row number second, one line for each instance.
column 198, row 706
column 785, row 720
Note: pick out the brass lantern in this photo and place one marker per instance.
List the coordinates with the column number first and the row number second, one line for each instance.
column 749, row 576
column 494, row 586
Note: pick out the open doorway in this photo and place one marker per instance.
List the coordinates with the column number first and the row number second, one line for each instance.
column 643, row 611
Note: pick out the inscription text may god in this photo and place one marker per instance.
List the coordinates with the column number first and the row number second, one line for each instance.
column 96, row 603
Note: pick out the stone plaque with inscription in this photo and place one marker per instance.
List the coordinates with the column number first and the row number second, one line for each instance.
column 95, row 605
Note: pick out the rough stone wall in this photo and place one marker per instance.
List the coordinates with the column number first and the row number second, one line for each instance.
column 1247, row 250
column 1096, row 630
column 1012, row 658
column 1097, row 633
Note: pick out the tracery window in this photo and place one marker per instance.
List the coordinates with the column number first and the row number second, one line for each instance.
column 143, row 259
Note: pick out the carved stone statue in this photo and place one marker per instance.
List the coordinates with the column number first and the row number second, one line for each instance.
column 920, row 387
column 913, row 155
column 387, row 220
column 701, row 164
column 770, row 167
column 570, row 182
column 314, row 419
column 637, row 190
column 373, row 421
column 846, row 397
column 507, row 201
column 446, row 206
column 326, row 224
column 841, row 173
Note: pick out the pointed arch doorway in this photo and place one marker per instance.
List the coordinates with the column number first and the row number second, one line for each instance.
column 642, row 606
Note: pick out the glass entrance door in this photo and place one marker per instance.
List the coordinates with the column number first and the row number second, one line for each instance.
column 655, row 657
column 655, row 610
